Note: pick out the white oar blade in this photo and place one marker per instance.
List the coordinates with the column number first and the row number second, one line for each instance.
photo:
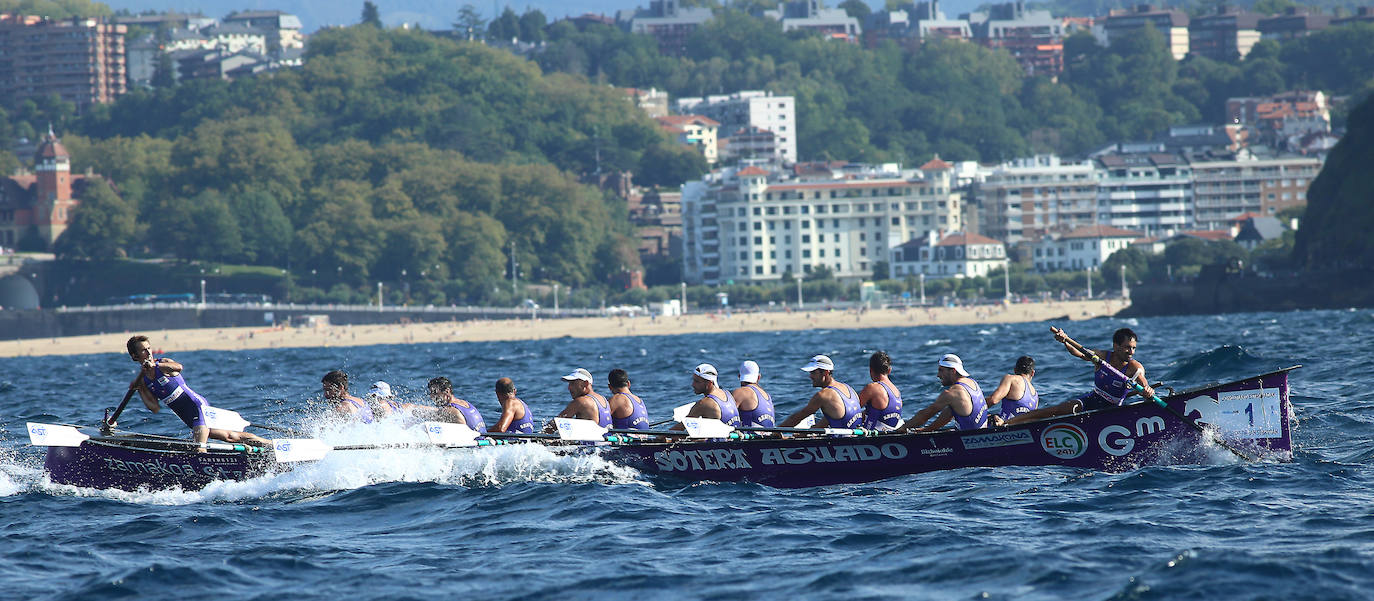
column 288, row 450
column 452, row 435
column 680, row 412
column 224, row 419
column 51, row 435
column 705, row 427
column 579, row 429
column 809, row 422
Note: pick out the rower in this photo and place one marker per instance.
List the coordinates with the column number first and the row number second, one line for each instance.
column 1016, row 393
column 962, row 400
column 586, row 403
column 383, row 402
column 452, row 409
column 335, row 385
column 837, row 401
column 714, row 402
column 515, row 414
column 755, row 405
column 627, row 410
column 1112, row 380
column 880, row 399
column 159, row 382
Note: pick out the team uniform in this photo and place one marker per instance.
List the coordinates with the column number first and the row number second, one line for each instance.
column 978, row 417
column 762, row 415
column 174, row 394
column 638, row 419
column 887, row 419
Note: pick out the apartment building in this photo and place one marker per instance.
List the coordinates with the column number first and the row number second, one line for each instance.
column 1224, row 190
column 1173, row 23
column 750, row 109
column 80, row 60
column 812, row 15
column 667, row 21
column 958, row 255
column 753, row 224
column 1025, row 199
column 1226, row 34
column 1083, row 248
column 1149, row 192
column 1033, row 37
column 695, row 131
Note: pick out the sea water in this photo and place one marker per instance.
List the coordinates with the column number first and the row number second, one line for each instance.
column 518, row 522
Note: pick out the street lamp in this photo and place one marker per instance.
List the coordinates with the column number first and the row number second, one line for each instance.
column 1124, row 292
column 202, row 293
column 923, row 288
column 555, row 298
column 379, row 297
column 800, row 303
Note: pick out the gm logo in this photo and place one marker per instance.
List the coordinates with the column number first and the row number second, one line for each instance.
column 1064, row 441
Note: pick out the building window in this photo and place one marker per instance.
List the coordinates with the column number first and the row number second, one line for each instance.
column 787, row 254
column 822, row 253
column 806, row 238
column 744, row 255
column 896, row 221
column 758, row 239
column 757, row 211
column 758, row 226
column 806, row 253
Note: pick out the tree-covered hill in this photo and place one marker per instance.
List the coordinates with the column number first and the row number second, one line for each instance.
column 391, row 150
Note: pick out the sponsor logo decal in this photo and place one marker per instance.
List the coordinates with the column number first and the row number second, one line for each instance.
column 998, row 439
column 736, row 459
column 1065, row 441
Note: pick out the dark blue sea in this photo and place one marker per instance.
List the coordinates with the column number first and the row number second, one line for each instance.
column 518, row 522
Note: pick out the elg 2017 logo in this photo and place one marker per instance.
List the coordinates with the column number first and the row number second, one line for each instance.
column 1064, row 441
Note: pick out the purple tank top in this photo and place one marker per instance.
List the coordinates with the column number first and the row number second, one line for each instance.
column 853, row 414
column 729, row 412
column 603, row 410
column 762, row 415
column 524, row 425
column 471, row 415
column 1028, row 402
column 174, row 394
column 978, row 417
column 638, row 419
column 363, row 413
column 1109, row 383
column 883, row 420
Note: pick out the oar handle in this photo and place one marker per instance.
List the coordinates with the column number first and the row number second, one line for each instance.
column 108, row 424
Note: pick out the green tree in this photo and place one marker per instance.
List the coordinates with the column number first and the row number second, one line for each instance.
column 470, row 23
column 264, row 228
column 504, row 27
column 532, row 24
column 670, row 165
column 371, row 16
column 101, row 227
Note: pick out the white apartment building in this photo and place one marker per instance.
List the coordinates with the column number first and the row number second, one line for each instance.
column 956, row 255
column 753, row 224
column 762, row 110
column 1224, row 190
column 1083, row 248
column 1146, row 192
column 1024, row 199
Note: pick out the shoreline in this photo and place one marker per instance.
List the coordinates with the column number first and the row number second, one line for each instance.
column 251, row 338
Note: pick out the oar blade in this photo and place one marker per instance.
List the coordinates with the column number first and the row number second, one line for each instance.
column 224, row 419
column 52, row 435
column 809, row 422
column 451, row 435
column 680, row 412
column 290, row 450
column 583, row 430
column 705, row 427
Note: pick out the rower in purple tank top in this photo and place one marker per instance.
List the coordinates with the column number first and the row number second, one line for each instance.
column 335, row 386
column 160, row 383
column 961, row 401
column 1016, row 393
column 881, row 400
column 837, row 401
column 452, row 409
column 585, row 404
column 515, row 414
column 627, row 410
column 754, row 403
column 715, row 403
column 1114, row 378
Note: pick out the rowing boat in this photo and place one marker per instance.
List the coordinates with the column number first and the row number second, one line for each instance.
column 1252, row 414
column 140, row 461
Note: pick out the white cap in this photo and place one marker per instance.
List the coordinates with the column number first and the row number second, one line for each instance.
column 749, row 372
column 705, row 371
column 820, row 362
column 953, row 362
column 579, row 374
column 380, row 389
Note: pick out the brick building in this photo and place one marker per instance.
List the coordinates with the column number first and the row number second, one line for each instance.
column 80, row 60
column 37, row 206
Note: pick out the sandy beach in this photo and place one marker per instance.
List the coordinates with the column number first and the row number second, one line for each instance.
column 537, row 329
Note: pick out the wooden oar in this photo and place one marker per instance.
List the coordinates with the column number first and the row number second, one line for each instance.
column 1097, row 362
column 109, row 422
column 679, row 412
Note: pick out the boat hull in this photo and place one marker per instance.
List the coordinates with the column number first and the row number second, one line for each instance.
column 1252, row 415
column 134, row 463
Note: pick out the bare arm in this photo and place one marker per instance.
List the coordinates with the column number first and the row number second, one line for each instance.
column 811, row 407
column 941, row 406
column 169, row 366
column 579, row 408
column 1139, row 378
column 1003, row 389
column 873, row 396
column 144, row 394
column 1070, row 344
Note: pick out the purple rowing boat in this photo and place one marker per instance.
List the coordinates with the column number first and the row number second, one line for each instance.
column 1252, row 415
column 152, row 463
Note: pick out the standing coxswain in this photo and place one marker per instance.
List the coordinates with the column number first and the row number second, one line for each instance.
column 159, row 383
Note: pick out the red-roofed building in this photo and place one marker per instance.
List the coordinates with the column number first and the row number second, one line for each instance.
column 694, row 130
column 36, row 208
column 1085, row 247
column 935, row 164
column 956, row 255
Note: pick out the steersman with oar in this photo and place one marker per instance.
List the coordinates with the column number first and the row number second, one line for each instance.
column 1117, row 371
column 159, row 382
